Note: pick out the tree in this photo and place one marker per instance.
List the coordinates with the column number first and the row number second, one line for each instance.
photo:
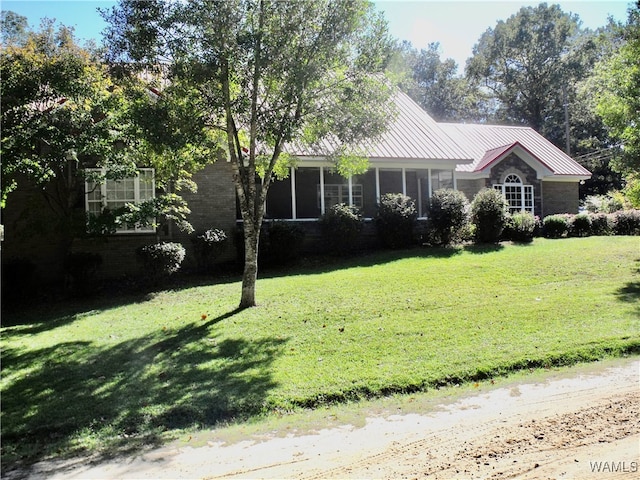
column 524, row 62
column 62, row 115
column 271, row 73
column 13, row 27
column 618, row 95
column 435, row 84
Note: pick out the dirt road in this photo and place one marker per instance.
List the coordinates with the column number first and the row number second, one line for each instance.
column 579, row 423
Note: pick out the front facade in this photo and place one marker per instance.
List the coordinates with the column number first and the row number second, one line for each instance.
column 415, row 156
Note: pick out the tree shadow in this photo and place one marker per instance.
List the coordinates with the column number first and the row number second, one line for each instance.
column 482, row 248
column 128, row 394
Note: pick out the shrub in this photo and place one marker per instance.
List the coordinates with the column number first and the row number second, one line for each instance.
column 448, row 216
column 395, row 220
column 341, row 226
column 489, row 215
column 580, row 225
column 601, row 223
column 161, row 259
column 82, row 268
column 208, row 246
column 602, row 204
column 626, row 222
column 521, row 227
column 555, row 226
column 284, row 242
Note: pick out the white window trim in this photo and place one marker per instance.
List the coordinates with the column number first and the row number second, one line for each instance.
column 137, row 199
column 524, row 189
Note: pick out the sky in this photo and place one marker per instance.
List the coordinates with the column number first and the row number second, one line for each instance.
column 455, row 24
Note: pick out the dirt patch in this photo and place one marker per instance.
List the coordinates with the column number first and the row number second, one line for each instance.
column 582, row 422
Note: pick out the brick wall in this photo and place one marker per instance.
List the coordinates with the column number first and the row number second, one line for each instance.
column 471, row 187
column 560, row 197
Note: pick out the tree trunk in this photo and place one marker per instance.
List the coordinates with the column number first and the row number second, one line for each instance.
column 250, row 274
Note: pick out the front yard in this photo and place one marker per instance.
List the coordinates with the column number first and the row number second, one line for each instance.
column 114, row 374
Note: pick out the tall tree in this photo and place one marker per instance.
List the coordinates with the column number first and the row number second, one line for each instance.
column 618, row 102
column 272, row 73
column 525, row 62
column 435, row 84
column 13, row 28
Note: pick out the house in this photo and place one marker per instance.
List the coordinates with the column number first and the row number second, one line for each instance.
column 415, row 156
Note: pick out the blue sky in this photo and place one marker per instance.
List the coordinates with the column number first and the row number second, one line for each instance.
column 456, row 24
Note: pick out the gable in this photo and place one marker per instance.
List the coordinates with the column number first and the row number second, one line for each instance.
column 488, row 144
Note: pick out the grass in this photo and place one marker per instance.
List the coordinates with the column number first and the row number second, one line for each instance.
column 116, row 374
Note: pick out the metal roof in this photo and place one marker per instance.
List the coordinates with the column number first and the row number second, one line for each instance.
column 486, row 143
column 411, row 135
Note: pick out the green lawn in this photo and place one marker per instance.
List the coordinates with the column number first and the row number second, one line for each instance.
column 114, row 374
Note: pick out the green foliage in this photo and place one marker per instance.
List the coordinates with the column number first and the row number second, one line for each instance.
column 523, row 61
column 555, row 226
column 395, row 220
column 618, row 95
column 435, row 84
column 269, row 74
column 284, row 242
column 208, row 246
column 632, row 190
column 602, row 204
column 159, row 260
column 601, row 223
column 448, row 215
column 489, row 215
column 580, row 225
column 521, row 227
column 626, row 222
column 341, row 226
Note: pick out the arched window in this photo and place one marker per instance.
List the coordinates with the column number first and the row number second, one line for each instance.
column 518, row 195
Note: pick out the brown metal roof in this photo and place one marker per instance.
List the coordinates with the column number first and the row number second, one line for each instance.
column 411, row 135
column 485, row 143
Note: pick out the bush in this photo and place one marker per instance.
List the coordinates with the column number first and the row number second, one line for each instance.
column 601, row 223
column 82, row 269
column 626, row 222
column 395, row 220
column 161, row 259
column 207, row 247
column 521, row 227
column 489, row 215
column 555, row 226
column 448, row 216
column 580, row 225
column 284, row 242
column 341, row 226
column 602, row 204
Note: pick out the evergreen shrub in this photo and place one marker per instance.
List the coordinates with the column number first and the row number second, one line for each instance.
column 489, row 215
column 341, row 226
column 160, row 260
column 448, row 215
column 284, row 242
column 580, row 225
column 521, row 227
column 555, row 226
column 626, row 222
column 396, row 220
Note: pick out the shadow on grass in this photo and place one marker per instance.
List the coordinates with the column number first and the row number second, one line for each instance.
column 483, row 248
column 128, row 394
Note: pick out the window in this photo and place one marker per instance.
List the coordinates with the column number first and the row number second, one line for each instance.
column 441, row 179
column 518, row 196
column 339, row 193
column 114, row 194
